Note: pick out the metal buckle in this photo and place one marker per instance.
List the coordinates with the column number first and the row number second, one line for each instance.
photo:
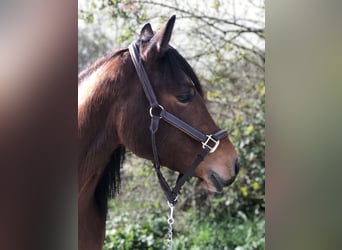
column 211, row 140
column 160, row 107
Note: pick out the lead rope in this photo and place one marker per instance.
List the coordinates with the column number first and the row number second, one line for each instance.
column 170, row 220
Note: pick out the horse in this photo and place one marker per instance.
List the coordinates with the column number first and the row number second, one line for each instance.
column 121, row 108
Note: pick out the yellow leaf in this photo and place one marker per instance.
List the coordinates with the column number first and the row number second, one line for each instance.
column 255, row 186
column 244, row 191
column 249, row 129
column 262, row 90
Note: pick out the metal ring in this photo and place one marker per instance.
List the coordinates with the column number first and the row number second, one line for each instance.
column 210, row 139
column 161, row 110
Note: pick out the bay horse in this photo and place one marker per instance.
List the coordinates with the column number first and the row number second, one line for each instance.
column 117, row 109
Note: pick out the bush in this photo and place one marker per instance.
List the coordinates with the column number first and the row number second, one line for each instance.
column 122, row 233
column 200, row 232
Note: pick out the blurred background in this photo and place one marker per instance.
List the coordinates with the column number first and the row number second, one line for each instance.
column 224, row 41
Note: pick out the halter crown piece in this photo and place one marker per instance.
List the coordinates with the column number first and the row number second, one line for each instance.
column 158, row 112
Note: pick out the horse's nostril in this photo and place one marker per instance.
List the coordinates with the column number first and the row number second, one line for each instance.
column 236, row 166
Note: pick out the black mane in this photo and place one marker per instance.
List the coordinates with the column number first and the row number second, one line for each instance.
column 109, row 184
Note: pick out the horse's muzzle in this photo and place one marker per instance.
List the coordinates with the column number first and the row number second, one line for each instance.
column 218, row 182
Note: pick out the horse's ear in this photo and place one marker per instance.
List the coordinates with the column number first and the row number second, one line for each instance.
column 146, row 32
column 162, row 38
column 160, row 41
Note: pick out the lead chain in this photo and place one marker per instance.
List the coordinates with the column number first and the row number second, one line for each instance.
column 170, row 220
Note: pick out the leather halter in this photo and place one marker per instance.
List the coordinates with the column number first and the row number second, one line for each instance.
column 158, row 112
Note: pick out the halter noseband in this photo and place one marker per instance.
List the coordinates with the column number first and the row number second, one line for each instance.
column 158, row 112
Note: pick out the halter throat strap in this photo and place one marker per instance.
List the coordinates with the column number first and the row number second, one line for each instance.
column 158, row 112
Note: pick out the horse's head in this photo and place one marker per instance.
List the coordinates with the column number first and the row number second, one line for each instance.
column 178, row 90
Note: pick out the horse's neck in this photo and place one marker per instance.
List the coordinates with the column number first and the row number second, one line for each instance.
column 96, row 130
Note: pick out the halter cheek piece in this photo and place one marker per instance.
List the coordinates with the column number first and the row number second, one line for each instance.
column 158, row 112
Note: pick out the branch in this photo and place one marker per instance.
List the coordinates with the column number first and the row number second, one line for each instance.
column 202, row 18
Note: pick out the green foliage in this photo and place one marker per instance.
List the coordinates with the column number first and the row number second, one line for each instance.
column 248, row 190
column 240, row 232
column 135, row 236
column 227, row 233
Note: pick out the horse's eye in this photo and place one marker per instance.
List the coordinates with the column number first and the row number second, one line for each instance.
column 185, row 98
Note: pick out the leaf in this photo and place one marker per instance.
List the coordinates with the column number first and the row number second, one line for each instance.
column 256, row 186
column 249, row 129
column 244, row 191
